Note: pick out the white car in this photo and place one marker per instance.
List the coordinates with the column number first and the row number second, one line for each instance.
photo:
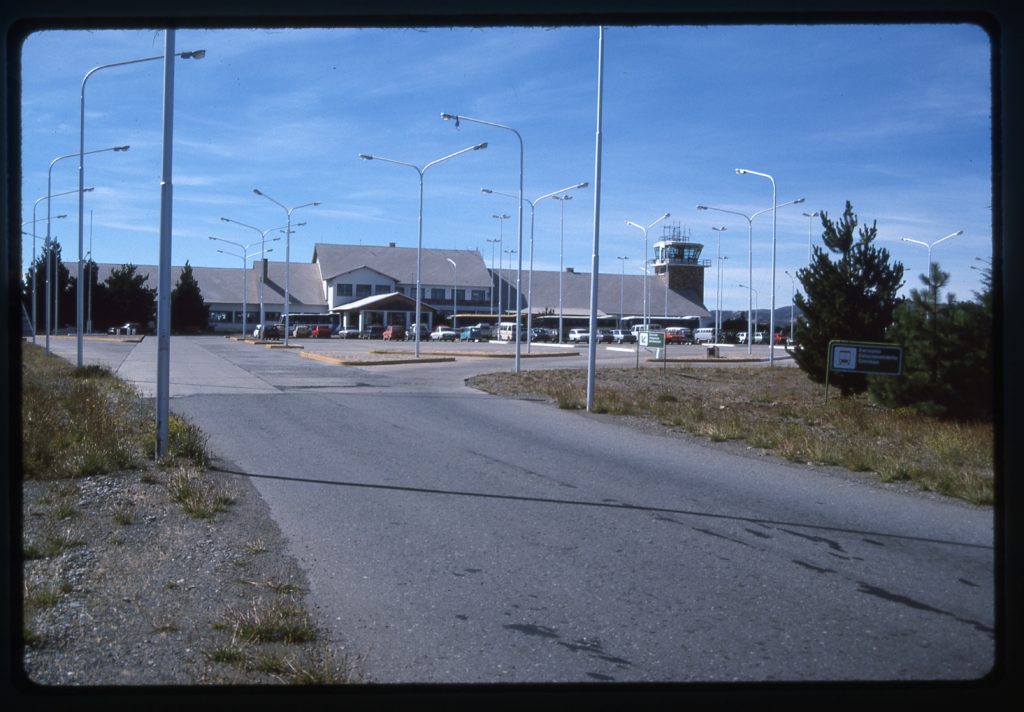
column 444, row 333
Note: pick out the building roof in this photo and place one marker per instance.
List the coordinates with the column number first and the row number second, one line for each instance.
column 611, row 288
column 399, row 263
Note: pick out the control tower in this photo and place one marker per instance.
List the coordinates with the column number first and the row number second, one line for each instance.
column 677, row 261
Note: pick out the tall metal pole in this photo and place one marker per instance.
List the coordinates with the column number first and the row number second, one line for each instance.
column 163, row 313
column 810, row 217
column 771, row 313
column 561, row 263
column 455, row 292
column 595, row 258
column 622, row 288
column 718, row 280
column 519, row 249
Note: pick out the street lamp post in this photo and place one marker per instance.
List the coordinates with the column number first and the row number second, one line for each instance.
column 935, row 289
column 751, row 331
column 810, row 220
column 45, row 246
column 455, row 291
column 263, row 244
column 193, row 54
column 561, row 259
column 750, row 247
column 493, row 243
column 771, row 313
column 622, row 289
column 644, row 230
column 287, row 255
column 81, row 191
column 419, row 240
column 792, row 306
column 245, row 265
column 508, row 282
column 529, row 286
column 501, row 236
column 718, row 283
column 519, row 273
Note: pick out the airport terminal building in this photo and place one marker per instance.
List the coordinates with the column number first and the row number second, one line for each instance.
column 365, row 285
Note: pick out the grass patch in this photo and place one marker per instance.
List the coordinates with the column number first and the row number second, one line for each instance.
column 85, row 421
column 782, row 411
column 197, row 495
column 51, row 545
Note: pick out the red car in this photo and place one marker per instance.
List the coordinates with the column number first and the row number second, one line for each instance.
column 320, row 331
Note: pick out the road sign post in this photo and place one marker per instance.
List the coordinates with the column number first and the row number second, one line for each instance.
column 867, row 357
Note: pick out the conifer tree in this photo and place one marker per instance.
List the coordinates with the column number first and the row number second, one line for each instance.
column 125, row 298
column 188, row 312
column 851, row 298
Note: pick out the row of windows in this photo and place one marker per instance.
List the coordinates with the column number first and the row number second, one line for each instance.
column 359, row 291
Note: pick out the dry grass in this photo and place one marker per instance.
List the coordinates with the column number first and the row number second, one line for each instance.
column 782, row 411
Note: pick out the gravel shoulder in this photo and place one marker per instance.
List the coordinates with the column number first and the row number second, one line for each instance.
column 123, row 587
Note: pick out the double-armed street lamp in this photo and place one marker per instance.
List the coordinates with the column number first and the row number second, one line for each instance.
column 561, row 257
column 644, row 230
column 287, row 255
column 192, row 54
column 81, row 193
column 244, row 256
column 529, row 286
column 458, row 118
column 929, row 246
column 419, row 237
column 492, row 244
column 750, row 247
column 718, row 283
column 501, row 243
column 771, row 314
column 263, row 240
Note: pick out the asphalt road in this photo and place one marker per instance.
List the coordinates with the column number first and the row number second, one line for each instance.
column 452, row 536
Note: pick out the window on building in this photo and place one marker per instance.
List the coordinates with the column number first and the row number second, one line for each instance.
column 343, row 290
column 479, row 295
column 363, row 290
column 382, row 289
column 437, row 294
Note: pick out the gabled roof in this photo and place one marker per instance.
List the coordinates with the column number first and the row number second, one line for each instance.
column 399, row 263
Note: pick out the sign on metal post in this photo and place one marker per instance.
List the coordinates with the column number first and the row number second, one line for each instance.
column 652, row 339
column 876, row 359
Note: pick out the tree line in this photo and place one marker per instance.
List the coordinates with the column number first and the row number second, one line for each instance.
column 124, row 296
column 850, row 293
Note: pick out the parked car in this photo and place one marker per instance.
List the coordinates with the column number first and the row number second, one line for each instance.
column 320, row 331
column 621, row 336
column 471, row 333
column 539, row 333
column 678, row 335
column 444, row 333
column 300, row 331
column 267, row 331
column 486, row 331
column 346, row 332
column 372, row 332
column 605, row 335
column 579, row 336
column 393, row 333
column 410, row 333
column 705, row 333
column 637, row 328
column 759, row 337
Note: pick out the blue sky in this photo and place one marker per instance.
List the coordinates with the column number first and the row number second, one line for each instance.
column 894, row 118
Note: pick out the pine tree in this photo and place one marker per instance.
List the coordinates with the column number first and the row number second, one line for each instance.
column 851, row 298
column 947, row 353
column 125, row 298
column 188, row 312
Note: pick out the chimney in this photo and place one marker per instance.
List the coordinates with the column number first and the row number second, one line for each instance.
column 570, row 270
column 391, row 244
column 264, row 260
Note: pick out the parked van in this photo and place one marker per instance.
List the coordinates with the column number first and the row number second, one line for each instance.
column 637, row 328
column 705, row 333
column 507, row 329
